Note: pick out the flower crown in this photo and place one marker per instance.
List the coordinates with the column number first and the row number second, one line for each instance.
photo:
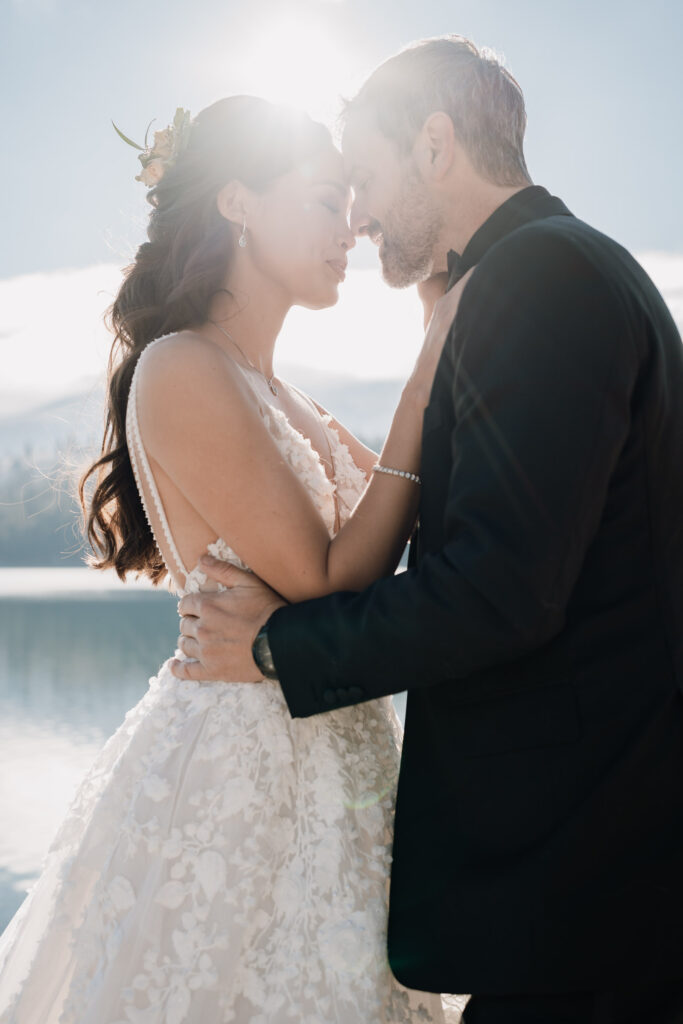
column 164, row 151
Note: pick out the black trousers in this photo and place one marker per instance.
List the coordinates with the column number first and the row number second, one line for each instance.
column 662, row 1004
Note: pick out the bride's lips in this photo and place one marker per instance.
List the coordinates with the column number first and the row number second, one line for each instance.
column 339, row 267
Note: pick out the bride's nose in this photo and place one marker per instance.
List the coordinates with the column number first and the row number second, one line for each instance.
column 347, row 239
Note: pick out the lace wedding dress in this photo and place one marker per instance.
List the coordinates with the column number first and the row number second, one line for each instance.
column 221, row 861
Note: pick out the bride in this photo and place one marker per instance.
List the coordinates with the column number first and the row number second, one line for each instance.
column 222, row 861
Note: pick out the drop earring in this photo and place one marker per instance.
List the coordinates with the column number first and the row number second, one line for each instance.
column 243, row 237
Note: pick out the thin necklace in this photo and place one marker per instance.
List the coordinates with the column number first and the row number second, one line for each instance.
column 269, row 380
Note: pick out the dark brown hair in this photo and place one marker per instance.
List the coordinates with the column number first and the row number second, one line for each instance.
column 169, row 287
column 450, row 74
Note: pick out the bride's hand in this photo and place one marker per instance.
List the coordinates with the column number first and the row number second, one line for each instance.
column 430, row 291
column 445, row 309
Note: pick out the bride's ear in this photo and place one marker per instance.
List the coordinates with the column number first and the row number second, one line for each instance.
column 231, row 202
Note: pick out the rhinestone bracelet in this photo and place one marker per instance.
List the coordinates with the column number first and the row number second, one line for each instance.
column 397, row 472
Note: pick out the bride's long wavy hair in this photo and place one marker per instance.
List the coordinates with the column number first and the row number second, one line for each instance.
column 169, row 287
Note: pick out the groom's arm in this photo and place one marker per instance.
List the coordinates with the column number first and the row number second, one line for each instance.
column 543, row 365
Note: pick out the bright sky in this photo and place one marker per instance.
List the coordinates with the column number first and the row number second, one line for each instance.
column 603, row 84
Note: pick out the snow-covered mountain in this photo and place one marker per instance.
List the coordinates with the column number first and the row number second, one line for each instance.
column 40, row 430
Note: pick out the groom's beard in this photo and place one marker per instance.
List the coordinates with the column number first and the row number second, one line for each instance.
column 411, row 230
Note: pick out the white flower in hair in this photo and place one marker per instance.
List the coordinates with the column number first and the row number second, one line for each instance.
column 164, row 151
column 152, row 173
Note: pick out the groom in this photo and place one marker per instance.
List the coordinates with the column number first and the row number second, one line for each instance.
column 538, row 855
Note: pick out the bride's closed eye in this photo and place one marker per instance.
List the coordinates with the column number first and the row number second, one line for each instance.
column 330, row 198
column 333, row 195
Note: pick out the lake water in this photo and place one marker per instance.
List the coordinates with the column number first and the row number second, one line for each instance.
column 76, row 650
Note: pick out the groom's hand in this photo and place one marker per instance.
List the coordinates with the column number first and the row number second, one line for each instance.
column 217, row 630
column 443, row 315
column 445, row 308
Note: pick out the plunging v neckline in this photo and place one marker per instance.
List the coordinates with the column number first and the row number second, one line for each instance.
column 308, row 444
column 326, row 428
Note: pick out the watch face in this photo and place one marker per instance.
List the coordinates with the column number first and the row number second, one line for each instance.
column 263, row 656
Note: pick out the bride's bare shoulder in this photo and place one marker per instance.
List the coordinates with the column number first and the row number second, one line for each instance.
column 179, row 350
column 185, row 360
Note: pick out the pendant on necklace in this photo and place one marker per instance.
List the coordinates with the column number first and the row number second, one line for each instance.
column 272, row 386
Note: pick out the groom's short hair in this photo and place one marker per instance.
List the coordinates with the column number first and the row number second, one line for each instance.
column 449, row 73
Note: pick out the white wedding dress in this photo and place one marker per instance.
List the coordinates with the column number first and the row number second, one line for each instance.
column 221, row 861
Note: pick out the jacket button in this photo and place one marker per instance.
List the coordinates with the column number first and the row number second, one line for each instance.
column 356, row 693
column 342, row 695
column 330, row 697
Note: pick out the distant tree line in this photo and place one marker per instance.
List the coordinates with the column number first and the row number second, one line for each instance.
column 40, row 520
column 40, row 517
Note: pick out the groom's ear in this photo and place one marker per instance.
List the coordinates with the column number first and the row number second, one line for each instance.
column 435, row 146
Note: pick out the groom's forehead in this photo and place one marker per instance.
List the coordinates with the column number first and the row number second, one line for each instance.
column 363, row 142
column 360, row 128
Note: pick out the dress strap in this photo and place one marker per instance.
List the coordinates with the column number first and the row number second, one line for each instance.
column 143, row 471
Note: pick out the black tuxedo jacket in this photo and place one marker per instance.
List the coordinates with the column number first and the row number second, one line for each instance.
column 538, row 629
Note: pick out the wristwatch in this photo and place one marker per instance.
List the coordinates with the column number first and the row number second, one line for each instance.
column 262, row 654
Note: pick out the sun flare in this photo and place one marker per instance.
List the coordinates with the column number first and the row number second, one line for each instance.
column 298, row 64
